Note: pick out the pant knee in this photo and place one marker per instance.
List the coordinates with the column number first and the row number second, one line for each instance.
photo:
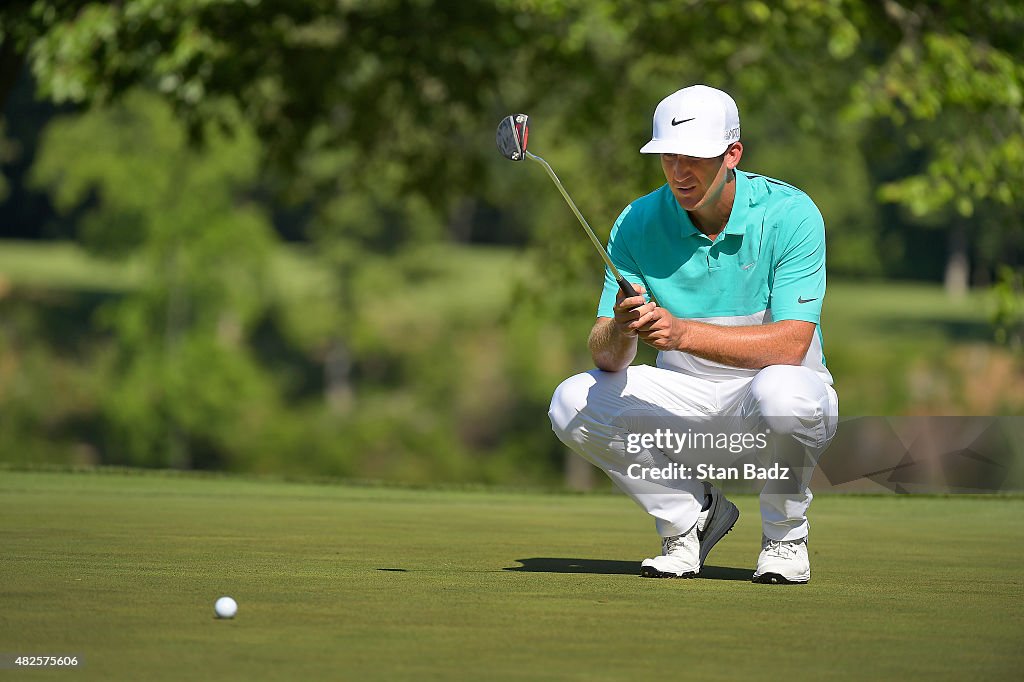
column 567, row 402
column 788, row 397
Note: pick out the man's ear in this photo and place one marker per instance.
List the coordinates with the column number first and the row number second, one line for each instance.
column 733, row 155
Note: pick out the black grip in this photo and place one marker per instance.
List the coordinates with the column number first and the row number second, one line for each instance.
column 627, row 288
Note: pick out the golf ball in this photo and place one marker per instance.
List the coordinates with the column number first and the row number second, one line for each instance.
column 226, row 607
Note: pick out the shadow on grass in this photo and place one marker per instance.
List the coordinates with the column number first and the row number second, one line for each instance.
column 614, row 567
column 726, row 573
column 564, row 565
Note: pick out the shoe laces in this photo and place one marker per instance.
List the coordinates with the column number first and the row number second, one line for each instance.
column 669, row 545
column 781, row 548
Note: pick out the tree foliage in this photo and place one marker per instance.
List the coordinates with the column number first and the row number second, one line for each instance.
column 953, row 85
column 415, row 82
column 368, row 124
column 180, row 365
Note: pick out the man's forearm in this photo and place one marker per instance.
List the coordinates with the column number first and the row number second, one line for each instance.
column 749, row 347
column 611, row 350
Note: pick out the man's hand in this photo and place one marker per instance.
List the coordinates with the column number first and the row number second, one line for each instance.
column 659, row 329
column 654, row 326
column 629, row 310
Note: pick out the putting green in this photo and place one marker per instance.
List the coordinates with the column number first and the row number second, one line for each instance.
column 350, row 582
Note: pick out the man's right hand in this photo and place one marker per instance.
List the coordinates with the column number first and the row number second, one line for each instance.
column 629, row 310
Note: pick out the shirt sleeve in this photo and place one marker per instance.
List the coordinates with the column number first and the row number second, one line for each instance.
column 798, row 285
column 618, row 251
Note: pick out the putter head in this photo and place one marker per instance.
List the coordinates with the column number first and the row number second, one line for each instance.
column 511, row 138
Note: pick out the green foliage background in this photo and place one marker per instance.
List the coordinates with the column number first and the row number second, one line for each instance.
column 295, row 250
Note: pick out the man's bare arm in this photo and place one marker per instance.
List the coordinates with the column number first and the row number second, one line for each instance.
column 611, row 348
column 750, row 347
column 753, row 347
column 612, row 342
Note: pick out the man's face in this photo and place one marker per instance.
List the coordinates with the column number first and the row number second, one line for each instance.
column 697, row 182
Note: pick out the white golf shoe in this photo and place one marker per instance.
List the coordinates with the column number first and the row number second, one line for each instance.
column 682, row 556
column 783, row 562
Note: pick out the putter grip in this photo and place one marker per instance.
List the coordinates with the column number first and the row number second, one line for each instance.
column 627, row 288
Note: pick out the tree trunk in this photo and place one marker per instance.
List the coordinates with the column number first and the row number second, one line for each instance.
column 958, row 266
column 460, row 225
column 337, row 382
column 579, row 473
column 11, row 64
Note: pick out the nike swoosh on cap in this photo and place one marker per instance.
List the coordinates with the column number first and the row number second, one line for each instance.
column 685, row 120
column 805, row 300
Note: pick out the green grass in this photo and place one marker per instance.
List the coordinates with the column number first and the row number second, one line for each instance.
column 867, row 309
column 484, row 275
column 917, row 313
column 872, row 313
column 62, row 266
column 344, row 582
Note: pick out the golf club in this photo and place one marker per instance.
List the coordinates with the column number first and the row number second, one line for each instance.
column 513, row 132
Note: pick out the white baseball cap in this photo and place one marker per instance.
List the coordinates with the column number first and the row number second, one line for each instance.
column 695, row 121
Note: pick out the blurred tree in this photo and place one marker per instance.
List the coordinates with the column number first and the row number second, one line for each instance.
column 371, row 77
column 405, row 94
column 1008, row 316
column 7, row 152
column 180, row 366
column 375, row 117
column 362, row 112
column 952, row 86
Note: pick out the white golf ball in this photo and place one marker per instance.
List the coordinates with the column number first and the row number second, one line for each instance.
column 226, row 607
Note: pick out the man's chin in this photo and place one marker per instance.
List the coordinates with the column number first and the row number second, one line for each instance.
column 688, row 202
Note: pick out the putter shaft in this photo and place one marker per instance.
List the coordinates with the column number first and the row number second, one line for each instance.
column 624, row 284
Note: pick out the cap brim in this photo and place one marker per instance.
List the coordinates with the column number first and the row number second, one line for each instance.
column 700, row 150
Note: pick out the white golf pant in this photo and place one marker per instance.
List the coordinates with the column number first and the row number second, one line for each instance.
column 592, row 413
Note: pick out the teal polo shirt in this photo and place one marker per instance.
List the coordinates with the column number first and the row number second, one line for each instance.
column 768, row 264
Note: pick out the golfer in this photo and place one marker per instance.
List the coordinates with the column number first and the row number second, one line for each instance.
column 734, row 267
